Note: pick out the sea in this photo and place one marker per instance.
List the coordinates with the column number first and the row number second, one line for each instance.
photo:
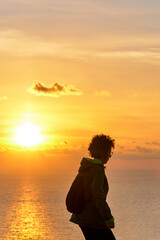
column 32, row 207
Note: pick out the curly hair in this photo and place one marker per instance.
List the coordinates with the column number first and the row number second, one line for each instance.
column 100, row 145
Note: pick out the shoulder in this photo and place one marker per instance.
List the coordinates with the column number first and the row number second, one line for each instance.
column 98, row 170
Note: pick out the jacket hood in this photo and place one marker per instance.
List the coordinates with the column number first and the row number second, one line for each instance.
column 88, row 163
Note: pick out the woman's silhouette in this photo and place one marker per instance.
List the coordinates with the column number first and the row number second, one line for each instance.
column 96, row 219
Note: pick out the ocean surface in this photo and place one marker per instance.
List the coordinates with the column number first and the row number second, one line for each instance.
column 33, row 207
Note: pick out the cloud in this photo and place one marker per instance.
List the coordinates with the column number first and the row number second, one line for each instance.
column 18, row 43
column 138, row 153
column 144, row 149
column 153, row 143
column 46, row 159
column 134, row 157
column 4, row 98
column 141, row 150
column 103, row 93
column 155, row 94
column 54, row 91
column 151, row 151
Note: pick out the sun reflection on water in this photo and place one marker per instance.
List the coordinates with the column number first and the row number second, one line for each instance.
column 27, row 218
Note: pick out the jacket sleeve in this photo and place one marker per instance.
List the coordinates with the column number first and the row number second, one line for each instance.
column 99, row 196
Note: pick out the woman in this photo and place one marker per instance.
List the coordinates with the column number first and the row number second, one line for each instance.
column 96, row 219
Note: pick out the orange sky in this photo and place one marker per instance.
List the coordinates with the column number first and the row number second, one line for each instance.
column 76, row 69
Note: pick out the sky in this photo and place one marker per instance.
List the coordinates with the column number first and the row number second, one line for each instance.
column 76, row 69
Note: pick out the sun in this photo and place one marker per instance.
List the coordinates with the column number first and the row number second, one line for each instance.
column 28, row 135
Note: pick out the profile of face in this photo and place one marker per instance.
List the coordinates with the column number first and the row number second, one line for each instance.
column 106, row 156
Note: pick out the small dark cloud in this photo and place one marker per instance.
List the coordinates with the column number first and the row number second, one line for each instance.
column 139, row 150
column 54, row 91
column 153, row 143
column 133, row 156
column 143, row 149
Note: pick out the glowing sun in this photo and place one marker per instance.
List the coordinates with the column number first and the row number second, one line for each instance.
column 28, row 135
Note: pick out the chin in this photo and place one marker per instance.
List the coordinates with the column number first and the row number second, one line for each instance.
column 104, row 162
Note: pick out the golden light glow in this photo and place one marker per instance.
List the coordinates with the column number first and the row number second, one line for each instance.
column 27, row 215
column 28, row 135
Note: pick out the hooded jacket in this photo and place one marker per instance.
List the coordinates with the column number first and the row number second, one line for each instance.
column 96, row 212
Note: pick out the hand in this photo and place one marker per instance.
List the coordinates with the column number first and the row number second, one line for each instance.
column 111, row 224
